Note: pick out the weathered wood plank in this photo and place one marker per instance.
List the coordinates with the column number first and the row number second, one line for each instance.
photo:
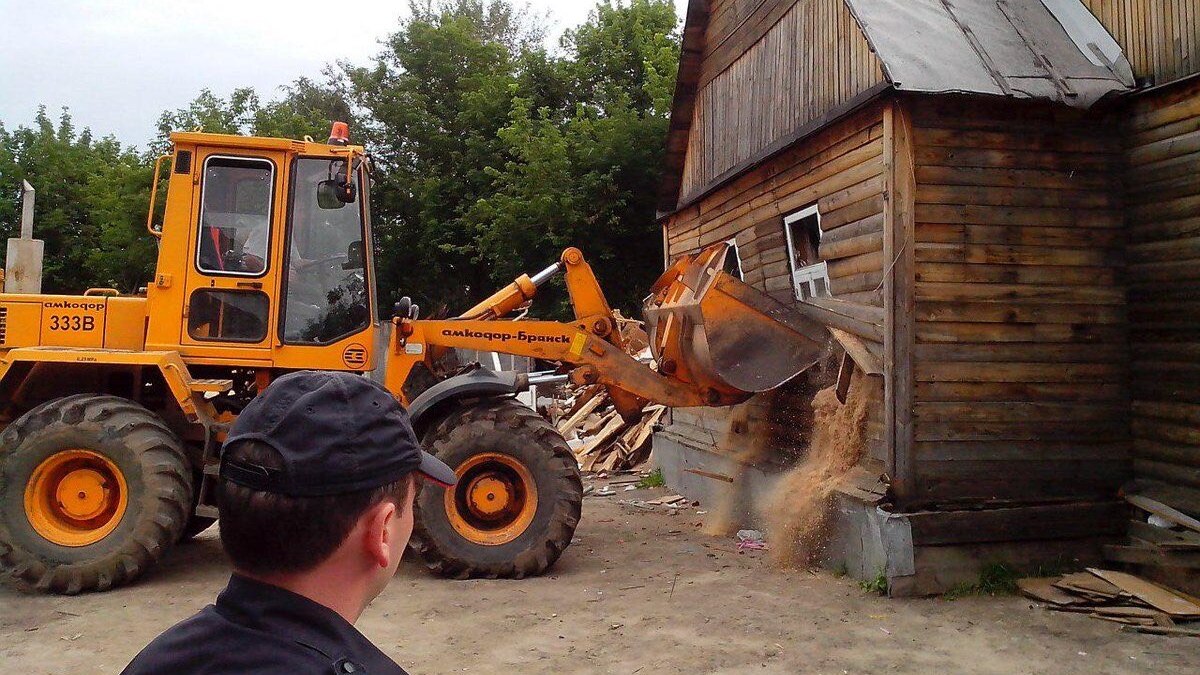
column 1018, row 412
column 1020, row 451
column 1016, row 255
column 1015, row 274
column 1018, row 235
column 1073, row 373
column 1003, row 215
column 1010, row 293
column 950, row 332
column 1019, row 391
column 983, row 312
column 1054, row 521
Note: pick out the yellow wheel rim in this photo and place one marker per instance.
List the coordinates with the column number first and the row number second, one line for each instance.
column 76, row 498
column 494, row 501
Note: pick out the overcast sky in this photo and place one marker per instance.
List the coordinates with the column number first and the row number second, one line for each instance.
column 117, row 64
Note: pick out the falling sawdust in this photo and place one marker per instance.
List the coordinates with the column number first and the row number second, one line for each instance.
column 797, row 509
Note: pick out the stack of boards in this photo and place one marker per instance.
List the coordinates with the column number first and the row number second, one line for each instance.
column 602, row 441
column 1117, row 597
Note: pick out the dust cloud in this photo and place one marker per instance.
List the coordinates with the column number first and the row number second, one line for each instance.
column 797, row 509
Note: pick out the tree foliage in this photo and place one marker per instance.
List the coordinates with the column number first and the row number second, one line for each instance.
column 494, row 152
column 90, row 208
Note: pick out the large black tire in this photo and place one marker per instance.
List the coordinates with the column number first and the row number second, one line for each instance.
column 503, row 427
column 158, row 492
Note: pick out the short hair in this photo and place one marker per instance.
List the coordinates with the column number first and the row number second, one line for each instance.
column 271, row 533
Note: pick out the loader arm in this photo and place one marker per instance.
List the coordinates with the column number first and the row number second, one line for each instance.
column 693, row 367
column 630, row 383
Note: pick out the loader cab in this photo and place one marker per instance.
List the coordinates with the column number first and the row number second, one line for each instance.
column 264, row 259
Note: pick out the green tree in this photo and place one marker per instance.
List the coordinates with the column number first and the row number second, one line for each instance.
column 211, row 113
column 586, row 175
column 303, row 108
column 91, row 204
column 497, row 154
column 437, row 97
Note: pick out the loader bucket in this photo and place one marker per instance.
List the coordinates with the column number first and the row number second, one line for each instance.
column 711, row 329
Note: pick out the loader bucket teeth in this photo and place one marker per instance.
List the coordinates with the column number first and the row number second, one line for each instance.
column 715, row 331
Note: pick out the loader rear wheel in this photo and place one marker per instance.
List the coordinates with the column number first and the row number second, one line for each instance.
column 517, row 501
column 93, row 490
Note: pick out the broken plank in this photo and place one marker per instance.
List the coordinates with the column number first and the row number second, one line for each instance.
column 1043, row 589
column 1164, row 537
column 610, row 430
column 1164, row 630
column 1163, row 511
column 1088, row 583
column 1152, row 594
column 579, row 415
column 857, row 349
column 1126, row 610
column 1152, row 555
column 710, row 474
column 1126, row 620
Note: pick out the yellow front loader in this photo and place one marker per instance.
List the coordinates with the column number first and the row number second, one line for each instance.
column 113, row 407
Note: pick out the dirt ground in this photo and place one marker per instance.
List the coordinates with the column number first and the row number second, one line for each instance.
column 638, row 592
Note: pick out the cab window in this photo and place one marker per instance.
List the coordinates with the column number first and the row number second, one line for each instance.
column 235, row 216
column 230, row 316
column 326, row 286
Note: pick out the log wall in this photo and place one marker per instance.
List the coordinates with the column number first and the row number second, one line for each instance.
column 1163, row 191
column 769, row 67
column 1019, row 348
column 1161, row 38
column 841, row 169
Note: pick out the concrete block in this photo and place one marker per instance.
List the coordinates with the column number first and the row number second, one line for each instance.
column 751, row 484
column 23, row 266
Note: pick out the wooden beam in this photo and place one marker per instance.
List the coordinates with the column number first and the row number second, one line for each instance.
column 1076, row 520
column 899, row 291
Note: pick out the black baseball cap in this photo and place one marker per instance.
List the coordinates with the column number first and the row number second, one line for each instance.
column 336, row 433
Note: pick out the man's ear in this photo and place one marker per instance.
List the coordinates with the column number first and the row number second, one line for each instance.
column 377, row 534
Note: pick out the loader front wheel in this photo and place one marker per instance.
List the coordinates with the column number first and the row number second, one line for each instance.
column 93, row 490
column 517, row 501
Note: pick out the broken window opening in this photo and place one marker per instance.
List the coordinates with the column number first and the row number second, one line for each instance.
column 810, row 275
column 733, row 261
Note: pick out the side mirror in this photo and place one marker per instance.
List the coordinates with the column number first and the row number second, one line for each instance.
column 327, row 195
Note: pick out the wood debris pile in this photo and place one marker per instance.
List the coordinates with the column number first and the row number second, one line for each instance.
column 1166, row 538
column 1117, row 597
column 602, row 441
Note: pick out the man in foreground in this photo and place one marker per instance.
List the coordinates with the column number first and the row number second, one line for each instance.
column 316, row 507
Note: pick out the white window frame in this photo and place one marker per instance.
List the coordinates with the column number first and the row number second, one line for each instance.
column 810, row 280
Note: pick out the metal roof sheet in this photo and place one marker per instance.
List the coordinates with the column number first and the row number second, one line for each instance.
column 1042, row 49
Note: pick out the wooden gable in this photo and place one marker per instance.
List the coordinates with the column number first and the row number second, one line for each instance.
column 1161, row 38
column 756, row 75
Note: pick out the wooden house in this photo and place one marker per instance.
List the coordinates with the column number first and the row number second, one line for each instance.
column 1005, row 198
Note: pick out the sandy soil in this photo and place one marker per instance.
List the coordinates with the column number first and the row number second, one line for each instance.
column 638, row 593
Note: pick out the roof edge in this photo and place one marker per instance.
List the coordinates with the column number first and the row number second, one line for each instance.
column 683, row 102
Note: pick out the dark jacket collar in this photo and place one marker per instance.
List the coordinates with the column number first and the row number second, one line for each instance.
column 261, row 606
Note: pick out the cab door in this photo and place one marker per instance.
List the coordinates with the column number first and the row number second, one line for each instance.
column 232, row 277
column 326, row 317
